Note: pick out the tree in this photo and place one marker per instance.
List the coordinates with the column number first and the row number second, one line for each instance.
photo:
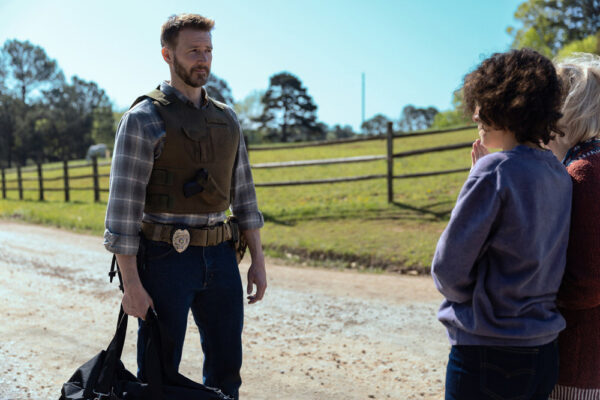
column 455, row 116
column 249, row 109
column 342, row 132
column 73, row 115
column 415, row 119
column 11, row 112
column 590, row 44
column 549, row 25
column 3, row 73
column 377, row 125
column 30, row 68
column 219, row 90
column 289, row 112
column 103, row 126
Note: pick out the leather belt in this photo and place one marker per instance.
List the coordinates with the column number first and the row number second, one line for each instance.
column 181, row 238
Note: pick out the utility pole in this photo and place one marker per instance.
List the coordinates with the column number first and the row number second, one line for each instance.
column 363, row 103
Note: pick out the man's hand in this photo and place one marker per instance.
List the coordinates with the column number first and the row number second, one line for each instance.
column 136, row 300
column 479, row 150
column 257, row 274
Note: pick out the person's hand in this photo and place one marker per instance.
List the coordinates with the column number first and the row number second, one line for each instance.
column 479, row 150
column 136, row 301
column 257, row 275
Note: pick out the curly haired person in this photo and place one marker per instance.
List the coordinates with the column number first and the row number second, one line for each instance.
column 579, row 294
column 500, row 260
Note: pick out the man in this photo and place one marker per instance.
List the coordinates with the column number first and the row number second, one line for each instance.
column 180, row 162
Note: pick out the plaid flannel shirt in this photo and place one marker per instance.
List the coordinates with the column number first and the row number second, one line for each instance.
column 139, row 141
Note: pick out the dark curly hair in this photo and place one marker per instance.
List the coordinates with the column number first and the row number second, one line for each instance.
column 517, row 91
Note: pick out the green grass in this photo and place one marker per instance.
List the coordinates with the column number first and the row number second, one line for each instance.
column 344, row 225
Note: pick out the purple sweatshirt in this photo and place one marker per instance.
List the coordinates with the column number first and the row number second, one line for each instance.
column 500, row 260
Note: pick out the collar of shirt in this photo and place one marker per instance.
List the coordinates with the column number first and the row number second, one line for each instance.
column 167, row 89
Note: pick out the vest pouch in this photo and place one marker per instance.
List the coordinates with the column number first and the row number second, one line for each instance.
column 221, row 135
column 199, row 147
column 212, row 194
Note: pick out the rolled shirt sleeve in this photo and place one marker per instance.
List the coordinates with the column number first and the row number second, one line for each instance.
column 131, row 167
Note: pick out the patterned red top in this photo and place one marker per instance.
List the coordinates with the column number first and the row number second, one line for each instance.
column 579, row 295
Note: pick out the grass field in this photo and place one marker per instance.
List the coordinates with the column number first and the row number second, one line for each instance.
column 341, row 225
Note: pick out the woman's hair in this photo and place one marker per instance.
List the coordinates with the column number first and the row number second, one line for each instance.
column 580, row 77
column 517, row 91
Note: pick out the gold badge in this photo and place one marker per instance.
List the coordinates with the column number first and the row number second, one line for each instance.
column 181, row 240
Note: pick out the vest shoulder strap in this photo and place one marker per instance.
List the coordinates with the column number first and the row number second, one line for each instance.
column 217, row 104
column 156, row 95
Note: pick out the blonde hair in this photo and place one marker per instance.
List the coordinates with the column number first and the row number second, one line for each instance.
column 580, row 76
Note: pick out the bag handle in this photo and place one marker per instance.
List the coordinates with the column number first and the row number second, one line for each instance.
column 112, row 356
column 158, row 364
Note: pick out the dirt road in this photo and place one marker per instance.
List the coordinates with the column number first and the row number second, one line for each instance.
column 318, row 334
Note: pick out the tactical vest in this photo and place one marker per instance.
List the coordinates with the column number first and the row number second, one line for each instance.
column 193, row 173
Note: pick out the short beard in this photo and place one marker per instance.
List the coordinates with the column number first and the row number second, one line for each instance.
column 186, row 76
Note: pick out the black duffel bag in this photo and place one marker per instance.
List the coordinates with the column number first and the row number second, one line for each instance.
column 104, row 377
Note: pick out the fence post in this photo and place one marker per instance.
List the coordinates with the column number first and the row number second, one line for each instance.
column 96, row 184
column 3, row 184
column 20, row 182
column 66, row 179
column 40, row 181
column 390, row 162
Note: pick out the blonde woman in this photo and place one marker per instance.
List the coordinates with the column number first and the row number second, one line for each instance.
column 579, row 294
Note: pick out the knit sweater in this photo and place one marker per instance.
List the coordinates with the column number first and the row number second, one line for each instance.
column 579, row 294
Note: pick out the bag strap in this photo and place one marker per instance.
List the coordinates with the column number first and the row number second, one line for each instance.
column 158, row 365
column 112, row 356
column 114, row 270
column 158, row 362
column 152, row 367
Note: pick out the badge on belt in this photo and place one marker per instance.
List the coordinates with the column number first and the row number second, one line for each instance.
column 180, row 240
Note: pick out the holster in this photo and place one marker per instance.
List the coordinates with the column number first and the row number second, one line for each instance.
column 238, row 241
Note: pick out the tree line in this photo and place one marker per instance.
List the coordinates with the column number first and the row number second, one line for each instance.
column 554, row 28
column 286, row 112
column 43, row 116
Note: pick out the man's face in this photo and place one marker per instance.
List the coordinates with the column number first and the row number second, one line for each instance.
column 193, row 56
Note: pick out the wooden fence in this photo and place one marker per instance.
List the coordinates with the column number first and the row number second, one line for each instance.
column 389, row 158
column 66, row 178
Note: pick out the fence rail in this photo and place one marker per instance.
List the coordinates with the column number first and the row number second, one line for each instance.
column 389, row 175
column 400, row 135
column 66, row 178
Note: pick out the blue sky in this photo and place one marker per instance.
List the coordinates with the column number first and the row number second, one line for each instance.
column 412, row 52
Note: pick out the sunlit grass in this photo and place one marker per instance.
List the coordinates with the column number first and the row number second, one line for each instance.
column 350, row 223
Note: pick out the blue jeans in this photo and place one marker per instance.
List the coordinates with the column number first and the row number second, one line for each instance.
column 207, row 281
column 501, row 373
